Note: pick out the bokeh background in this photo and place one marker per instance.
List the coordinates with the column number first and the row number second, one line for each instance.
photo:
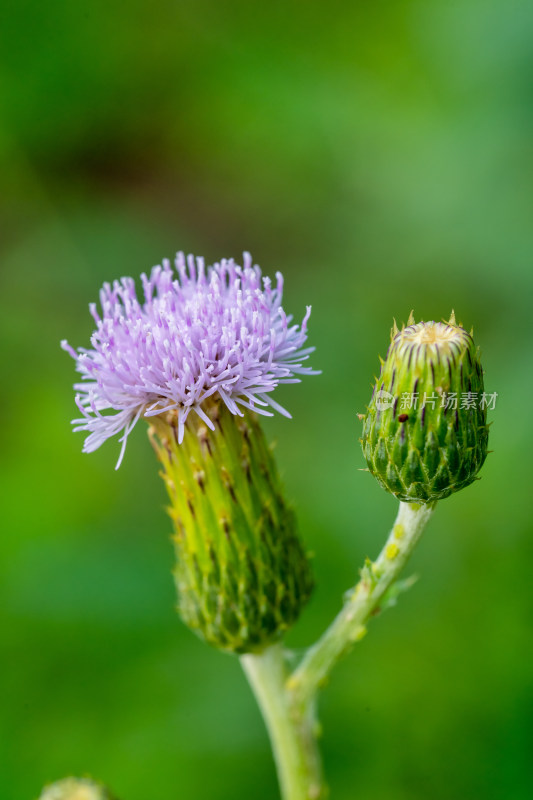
column 380, row 154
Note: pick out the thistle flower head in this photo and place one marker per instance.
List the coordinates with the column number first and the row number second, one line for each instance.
column 425, row 434
column 196, row 334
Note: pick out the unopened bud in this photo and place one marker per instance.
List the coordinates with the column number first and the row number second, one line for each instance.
column 425, row 434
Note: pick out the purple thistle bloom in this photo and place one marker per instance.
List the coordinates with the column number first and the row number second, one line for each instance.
column 220, row 331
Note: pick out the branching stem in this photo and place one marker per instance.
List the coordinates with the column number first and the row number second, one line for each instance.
column 288, row 701
column 361, row 602
column 292, row 735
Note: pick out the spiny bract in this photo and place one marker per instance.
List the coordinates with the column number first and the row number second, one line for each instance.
column 242, row 573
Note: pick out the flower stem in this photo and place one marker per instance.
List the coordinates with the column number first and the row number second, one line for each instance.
column 292, row 734
column 350, row 624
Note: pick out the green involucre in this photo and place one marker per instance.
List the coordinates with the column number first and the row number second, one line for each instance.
column 242, row 575
column 424, row 453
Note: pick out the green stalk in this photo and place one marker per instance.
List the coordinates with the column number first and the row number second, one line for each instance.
column 350, row 624
column 292, row 735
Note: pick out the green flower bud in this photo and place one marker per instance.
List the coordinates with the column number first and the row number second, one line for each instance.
column 75, row 789
column 242, row 575
column 425, row 434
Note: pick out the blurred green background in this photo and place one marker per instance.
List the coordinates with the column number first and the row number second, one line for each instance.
column 380, row 154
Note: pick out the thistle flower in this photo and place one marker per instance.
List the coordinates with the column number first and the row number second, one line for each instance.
column 212, row 342
column 199, row 333
column 425, row 434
